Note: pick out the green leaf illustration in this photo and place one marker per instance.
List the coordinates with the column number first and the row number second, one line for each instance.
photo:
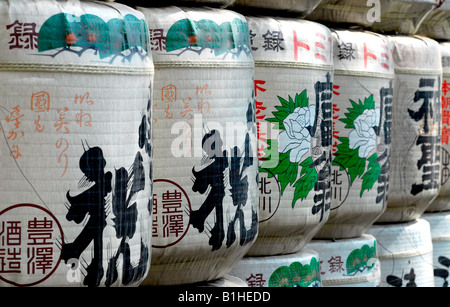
column 307, row 181
column 356, row 110
column 296, row 275
column 90, row 31
column 286, row 171
column 372, row 175
column 349, row 159
column 361, row 259
column 207, row 34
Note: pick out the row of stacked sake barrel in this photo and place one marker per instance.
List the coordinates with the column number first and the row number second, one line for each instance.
column 295, row 150
column 76, row 145
column 405, row 247
column 438, row 213
column 367, row 169
column 296, row 115
column 437, row 26
column 79, row 204
column 101, row 236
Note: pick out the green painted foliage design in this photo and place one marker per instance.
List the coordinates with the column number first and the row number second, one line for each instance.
column 362, row 259
column 368, row 169
column 91, row 32
column 207, row 34
column 287, row 172
column 296, row 275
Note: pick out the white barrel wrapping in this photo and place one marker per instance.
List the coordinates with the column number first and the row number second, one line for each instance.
column 350, row 12
column 403, row 17
column 301, row 8
column 75, row 179
column 205, row 206
column 415, row 176
column 436, row 24
column 442, row 202
column 348, row 262
column 440, row 235
column 362, row 121
column 405, row 251
column 293, row 91
column 158, row 3
column 300, row 269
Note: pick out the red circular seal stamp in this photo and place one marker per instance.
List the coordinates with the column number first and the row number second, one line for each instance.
column 170, row 213
column 30, row 244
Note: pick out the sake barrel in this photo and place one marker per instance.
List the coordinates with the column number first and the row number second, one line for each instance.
column 300, row 8
column 348, row 262
column 76, row 148
column 416, row 129
column 300, row 269
column 293, row 90
column 349, row 12
column 436, row 25
column 405, row 251
column 205, row 205
column 362, row 120
column 442, row 202
column 440, row 235
column 165, row 3
column 403, row 17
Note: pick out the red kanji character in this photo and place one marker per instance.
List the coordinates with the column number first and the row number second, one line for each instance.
column 446, row 117
column 257, row 87
column 385, row 56
column 40, row 102
column 169, row 93
column 187, row 111
column 445, row 102
column 62, row 123
column 445, row 87
column 367, row 55
column 321, row 45
column 298, row 44
column 445, row 135
column 336, row 87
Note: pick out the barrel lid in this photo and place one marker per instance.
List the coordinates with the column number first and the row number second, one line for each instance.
column 439, row 225
column 62, row 36
column 198, row 37
column 416, row 55
column 300, row 7
column 402, row 240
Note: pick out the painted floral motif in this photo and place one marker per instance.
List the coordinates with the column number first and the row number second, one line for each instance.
column 364, row 136
column 357, row 153
column 297, row 137
column 295, row 118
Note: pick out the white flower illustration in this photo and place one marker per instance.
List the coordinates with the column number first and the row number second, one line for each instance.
column 297, row 137
column 364, row 135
